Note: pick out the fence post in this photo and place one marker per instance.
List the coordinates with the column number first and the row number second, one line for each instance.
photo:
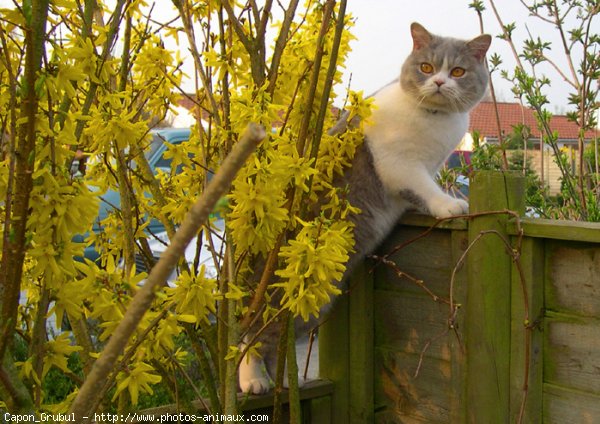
column 488, row 306
column 334, row 359
column 346, row 350
column 361, row 329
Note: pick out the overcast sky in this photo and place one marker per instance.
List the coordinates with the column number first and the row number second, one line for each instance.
column 383, row 34
column 383, row 41
column 383, row 37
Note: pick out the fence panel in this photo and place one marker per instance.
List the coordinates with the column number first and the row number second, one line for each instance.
column 523, row 347
column 572, row 333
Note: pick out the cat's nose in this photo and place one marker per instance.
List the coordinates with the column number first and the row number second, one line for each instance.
column 439, row 82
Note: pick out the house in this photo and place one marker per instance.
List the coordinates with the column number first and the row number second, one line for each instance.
column 485, row 121
column 493, row 120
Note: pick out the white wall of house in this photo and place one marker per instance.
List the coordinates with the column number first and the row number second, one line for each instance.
column 180, row 117
column 466, row 143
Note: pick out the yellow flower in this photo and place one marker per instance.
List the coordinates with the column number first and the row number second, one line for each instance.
column 194, row 294
column 57, row 353
column 140, row 378
column 314, row 261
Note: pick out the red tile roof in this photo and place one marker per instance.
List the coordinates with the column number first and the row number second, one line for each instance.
column 187, row 101
column 483, row 119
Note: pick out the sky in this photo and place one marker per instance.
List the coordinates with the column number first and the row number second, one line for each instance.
column 383, row 38
column 383, row 41
column 382, row 29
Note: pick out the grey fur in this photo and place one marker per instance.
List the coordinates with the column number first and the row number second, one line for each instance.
column 414, row 199
column 453, row 53
column 365, row 188
column 368, row 194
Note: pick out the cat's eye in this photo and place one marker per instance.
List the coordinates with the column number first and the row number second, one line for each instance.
column 426, row 68
column 457, row 72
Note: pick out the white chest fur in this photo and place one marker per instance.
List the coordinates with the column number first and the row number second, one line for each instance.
column 408, row 145
column 401, row 134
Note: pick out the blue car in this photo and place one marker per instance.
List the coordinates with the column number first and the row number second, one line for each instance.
column 111, row 200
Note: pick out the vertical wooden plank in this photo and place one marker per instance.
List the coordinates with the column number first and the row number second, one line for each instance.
column 572, row 333
column 526, row 335
column 318, row 410
column 458, row 406
column 346, row 350
column 361, row 331
column 488, row 309
column 334, row 357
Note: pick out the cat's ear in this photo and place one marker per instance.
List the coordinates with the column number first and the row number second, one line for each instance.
column 479, row 46
column 421, row 37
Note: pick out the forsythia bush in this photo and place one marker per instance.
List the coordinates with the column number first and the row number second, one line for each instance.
column 107, row 75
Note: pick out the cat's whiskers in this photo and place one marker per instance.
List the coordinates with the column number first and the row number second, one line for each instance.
column 421, row 99
column 462, row 103
column 456, row 100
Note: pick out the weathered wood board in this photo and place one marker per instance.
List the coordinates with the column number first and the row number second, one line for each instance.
column 428, row 259
column 411, row 328
column 411, row 324
column 401, row 397
column 572, row 353
column 573, row 272
column 571, row 391
column 564, row 406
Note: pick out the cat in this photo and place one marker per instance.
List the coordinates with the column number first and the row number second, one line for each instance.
column 417, row 122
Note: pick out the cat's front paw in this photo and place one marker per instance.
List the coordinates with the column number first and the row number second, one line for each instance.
column 446, row 207
column 255, row 386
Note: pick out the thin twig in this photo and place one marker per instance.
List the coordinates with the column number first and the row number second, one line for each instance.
column 314, row 79
column 189, row 380
column 280, row 44
column 248, row 344
column 266, row 277
column 514, row 252
column 426, row 348
column 494, row 100
column 416, row 281
column 311, row 339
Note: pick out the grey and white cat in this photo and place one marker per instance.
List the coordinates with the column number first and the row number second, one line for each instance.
column 417, row 122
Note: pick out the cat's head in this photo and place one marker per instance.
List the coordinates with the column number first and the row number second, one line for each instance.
column 445, row 74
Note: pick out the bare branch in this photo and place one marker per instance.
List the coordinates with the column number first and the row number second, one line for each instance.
column 559, row 25
column 238, row 28
column 506, row 35
column 13, row 250
column 280, row 44
column 189, row 32
column 314, row 79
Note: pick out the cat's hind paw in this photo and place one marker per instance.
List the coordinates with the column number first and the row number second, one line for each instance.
column 301, row 382
column 251, row 375
column 255, row 386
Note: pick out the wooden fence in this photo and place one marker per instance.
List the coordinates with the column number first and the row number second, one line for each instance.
column 490, row 319
column 495, row 319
